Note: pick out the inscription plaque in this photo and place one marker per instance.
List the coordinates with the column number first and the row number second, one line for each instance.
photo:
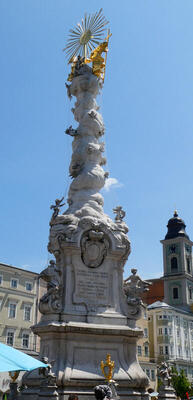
column 91, row 287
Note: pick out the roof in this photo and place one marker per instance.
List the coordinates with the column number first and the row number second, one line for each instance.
column 176, row 227
column 20, row 269
column 161, row 304
column 158, row 304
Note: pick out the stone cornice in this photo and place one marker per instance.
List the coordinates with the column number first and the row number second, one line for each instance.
column 16, row 292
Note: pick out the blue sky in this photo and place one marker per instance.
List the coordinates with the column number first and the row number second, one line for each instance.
column 147, row 106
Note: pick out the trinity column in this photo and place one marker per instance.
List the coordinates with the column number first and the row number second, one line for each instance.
column 88, row 312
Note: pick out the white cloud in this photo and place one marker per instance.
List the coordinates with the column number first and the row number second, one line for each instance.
column 112, row 182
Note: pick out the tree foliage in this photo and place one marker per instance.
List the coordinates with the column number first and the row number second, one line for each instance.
column 180, row 383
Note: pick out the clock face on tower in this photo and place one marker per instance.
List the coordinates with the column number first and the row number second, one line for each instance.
column 172, row 248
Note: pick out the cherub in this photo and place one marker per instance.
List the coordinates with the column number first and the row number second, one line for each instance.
column 92, row 114
column 47, row 371
column 70, row 131
column 56, row 207
column 120, row 213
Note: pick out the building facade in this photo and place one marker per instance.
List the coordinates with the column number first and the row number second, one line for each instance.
column 143, row 352
column 20, row 291
column 170, row 320
column 171, row 336
column 177, row 258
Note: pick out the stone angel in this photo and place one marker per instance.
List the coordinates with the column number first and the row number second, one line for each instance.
column 51, row 300
column 133, row 287
column 165, row 373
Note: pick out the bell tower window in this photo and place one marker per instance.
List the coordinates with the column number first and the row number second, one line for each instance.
column 188, row 264
column 174, row 264
column 175, row 293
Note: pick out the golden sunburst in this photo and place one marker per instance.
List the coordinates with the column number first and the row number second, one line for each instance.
column 86, row 35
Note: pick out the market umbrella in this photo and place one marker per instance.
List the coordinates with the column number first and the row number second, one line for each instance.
column 15, row 360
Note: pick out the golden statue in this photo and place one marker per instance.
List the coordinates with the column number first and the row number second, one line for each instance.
column 110, row 365
column 73, row 63
column 99, row 62
column 14, row 375
column 85, row 36
column 77, row 62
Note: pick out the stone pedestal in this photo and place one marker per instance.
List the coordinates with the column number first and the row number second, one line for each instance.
column 14, row 394
column 48, row 392
column 167, row 393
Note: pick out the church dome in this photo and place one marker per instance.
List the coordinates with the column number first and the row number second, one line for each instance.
column 176, row 227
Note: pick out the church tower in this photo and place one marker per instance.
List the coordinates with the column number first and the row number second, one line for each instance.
column 178, row 268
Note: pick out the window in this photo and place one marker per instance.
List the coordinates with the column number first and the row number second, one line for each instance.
column 188, row 264
column 28, row 286
column 152, row 374
column 174, row 264
column 146, row 351
column 187, row 353
column 190, row 293
column 160, row 317
column 148, row 373
column 14, row 283
column 165, row 331
column 186, row 335
column 145, row 332
column 145, row 314
column 27, row 313
column 179, row 351
column 175, row 293
column 170, row 331
column 161, row 350
column 12, row 310
column 25, row 340
column 178, row 333
column 139, row 350
column 166, row 350
column 1, row 279
column 10, row 337
column 172, row 350
column 165, row 316
column 160, row 331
